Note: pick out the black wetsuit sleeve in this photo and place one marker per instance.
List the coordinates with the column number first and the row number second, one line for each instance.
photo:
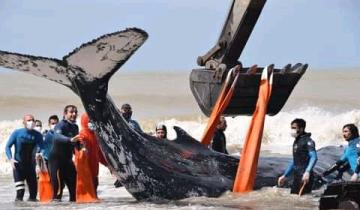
column 334, row 167
column 311, row 146
column 61, row 138
column 59, row 133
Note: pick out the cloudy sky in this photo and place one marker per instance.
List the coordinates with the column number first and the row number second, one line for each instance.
column 323, row 33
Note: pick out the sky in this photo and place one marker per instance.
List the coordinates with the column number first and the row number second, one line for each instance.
column 323, row 33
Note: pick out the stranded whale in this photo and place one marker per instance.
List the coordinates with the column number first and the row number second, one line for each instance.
column 149, row 169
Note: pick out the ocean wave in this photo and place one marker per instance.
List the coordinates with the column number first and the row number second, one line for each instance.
column 325, row 126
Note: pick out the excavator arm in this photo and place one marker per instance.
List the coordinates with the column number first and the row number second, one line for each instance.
column 242, row 17
column 206, row 82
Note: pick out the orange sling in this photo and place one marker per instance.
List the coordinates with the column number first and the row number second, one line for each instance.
column 219, row 107
column 44, row 183
column 246, row 172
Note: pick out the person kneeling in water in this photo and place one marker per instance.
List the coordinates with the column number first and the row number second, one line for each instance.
column 348, row 161
column 304, row 159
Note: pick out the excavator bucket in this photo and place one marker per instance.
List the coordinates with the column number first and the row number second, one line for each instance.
column 206, row 86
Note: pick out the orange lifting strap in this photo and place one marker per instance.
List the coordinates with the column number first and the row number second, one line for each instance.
column 44, row 184
column 246, row 173
column 220, row 105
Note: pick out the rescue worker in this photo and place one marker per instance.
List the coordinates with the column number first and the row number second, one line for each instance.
column 161, row 131
column 126, row 112
column 25, row 141
column 49, row 134
column 304, row 159
column 38, row 126
column 93, row 153
column 348, row 161
column 61, row 167
column 219, row 140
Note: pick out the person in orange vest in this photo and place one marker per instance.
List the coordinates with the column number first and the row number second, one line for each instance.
column 93, row 152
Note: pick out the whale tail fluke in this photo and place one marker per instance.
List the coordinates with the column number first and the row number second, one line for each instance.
column 96, row 60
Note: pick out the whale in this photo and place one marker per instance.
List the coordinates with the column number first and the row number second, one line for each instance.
column 148, row 168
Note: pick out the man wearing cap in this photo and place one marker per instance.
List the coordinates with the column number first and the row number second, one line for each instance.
column 161, row 131
column 126, row 112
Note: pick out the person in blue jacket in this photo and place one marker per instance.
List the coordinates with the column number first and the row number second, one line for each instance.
column 61, row 167
column 49, row 135
column 304, row 159
column 25, row 140
column 348, row 161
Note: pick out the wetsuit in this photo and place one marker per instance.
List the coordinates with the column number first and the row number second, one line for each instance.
column 304, row 159
column 25, row 142
column 351, row 153
column 219, row 142
column 135, row 125
column 61, row 166
column 48, row 143
column 348, row 161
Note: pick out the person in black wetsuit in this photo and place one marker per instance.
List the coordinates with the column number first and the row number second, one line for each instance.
column 49, row 136
column 126, row 112
column 349, row 160
column 23, row 162
column 161, row 131
column 304, row 159
column 219, row 140
column 61, row 166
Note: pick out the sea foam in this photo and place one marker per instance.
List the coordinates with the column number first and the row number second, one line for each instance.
column 325, row 127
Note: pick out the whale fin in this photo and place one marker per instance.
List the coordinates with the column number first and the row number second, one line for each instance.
column 48, row 68
column 183, row 138
column 103, row 56
column 98, row 59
